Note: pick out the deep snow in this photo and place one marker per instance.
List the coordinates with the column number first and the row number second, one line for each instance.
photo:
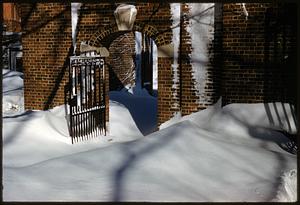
column 218, row 154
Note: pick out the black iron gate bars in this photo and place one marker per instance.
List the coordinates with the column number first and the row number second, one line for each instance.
column 86, row 98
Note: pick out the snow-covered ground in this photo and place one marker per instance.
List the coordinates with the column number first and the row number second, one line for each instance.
column 218, row 154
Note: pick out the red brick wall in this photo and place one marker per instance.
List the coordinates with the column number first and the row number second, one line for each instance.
column 168, row 103
column 121, row 61
column 252, row 60
column 97, row 26
column 46, row 41
column 189, row 99
column 11, row 17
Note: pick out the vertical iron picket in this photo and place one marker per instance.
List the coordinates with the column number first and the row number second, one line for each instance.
column 86, row 98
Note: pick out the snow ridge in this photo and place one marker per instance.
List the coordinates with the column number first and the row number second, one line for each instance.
column 288, row 190
column 223, row 149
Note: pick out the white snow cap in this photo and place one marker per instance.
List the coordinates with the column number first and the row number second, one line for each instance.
column 175, row 11
column 74, row 8
column 245, row 10
column 200, row 28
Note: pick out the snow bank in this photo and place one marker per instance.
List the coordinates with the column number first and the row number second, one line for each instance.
column 200, row 158
column 278, row 116
column 13, row 100
column 244, row 119
column 175, row 119
column 143, row 170
column 201, row 118
column 288, row 189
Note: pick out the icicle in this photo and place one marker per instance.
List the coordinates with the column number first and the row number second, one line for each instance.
column 74, row 12
column 245, row 10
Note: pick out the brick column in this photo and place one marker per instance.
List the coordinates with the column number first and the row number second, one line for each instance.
column 46, row 41
column 167, row 102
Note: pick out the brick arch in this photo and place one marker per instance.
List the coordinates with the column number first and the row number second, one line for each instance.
column 150, row 31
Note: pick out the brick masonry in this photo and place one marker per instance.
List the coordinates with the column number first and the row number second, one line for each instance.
column 251, row 60
column 46, row 41
column 121, row 61
column 259, row 63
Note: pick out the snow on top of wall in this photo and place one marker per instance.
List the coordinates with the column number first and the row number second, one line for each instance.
column 13, row 93
column 175, row 11
column 154, row 58
column 138, row 42
column 200, row 28
column 74, row 14
column 138, row 53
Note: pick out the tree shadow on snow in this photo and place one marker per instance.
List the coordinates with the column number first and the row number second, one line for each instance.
column 132, row 157
column 268, row 134
column 26, row 116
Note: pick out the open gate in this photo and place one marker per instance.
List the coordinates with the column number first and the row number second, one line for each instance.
column 86, row 98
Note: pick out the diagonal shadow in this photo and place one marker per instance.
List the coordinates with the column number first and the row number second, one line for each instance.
column 58, row 80
column 26, row 116
column 132, row 158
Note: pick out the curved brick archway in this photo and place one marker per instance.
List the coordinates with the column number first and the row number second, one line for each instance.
column 97, row 38
column 106, row 36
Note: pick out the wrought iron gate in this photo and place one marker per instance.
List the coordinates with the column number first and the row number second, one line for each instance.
column 86, row 98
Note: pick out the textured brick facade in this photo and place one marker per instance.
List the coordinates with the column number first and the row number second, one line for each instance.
column 168, row 100
column 46, row 41
column 11, row 18
column 189, row 100
column 250, row 60
column 121, row 61
column 259, row 63
column 97, row 27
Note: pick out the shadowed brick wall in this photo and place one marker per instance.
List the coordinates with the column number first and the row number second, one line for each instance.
column 259, row 63
column 46, row 41
column 250, row 61
column 189, row 100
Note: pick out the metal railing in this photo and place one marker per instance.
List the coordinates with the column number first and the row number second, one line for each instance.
column 86, row 98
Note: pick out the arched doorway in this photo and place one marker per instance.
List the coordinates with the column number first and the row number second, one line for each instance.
column 132, row 65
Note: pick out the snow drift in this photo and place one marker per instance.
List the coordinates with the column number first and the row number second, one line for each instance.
column 12, row 91
column 288, row 189
column 229, row 154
